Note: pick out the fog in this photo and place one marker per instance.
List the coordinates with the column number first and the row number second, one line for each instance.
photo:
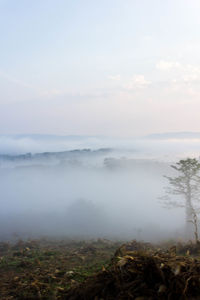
column 110, row 190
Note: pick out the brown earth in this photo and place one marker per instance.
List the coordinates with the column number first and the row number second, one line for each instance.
column 98, row 270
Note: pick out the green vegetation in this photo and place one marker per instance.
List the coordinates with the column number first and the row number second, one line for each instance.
column 98, row 269
column 46, row 269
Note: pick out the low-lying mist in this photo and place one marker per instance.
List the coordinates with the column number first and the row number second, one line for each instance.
column 111, row 193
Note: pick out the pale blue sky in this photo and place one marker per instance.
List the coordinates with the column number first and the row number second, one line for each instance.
column 109, row 67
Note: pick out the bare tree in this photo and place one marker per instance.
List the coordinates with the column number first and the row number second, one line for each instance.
column 186, row 184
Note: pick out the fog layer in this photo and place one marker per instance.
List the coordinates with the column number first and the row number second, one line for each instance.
column 110, row 193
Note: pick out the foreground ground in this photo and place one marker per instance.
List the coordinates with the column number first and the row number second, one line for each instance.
column 98, row 270
column 46, row 269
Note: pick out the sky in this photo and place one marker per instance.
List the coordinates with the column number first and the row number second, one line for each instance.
column 111, row 67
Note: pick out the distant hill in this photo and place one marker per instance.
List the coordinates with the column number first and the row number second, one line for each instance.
column 46, row 136
column 38, row 143
column 175, row 135
column 59, row 155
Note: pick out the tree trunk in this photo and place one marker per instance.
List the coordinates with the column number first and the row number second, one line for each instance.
column 189, row 226
column 191, row 222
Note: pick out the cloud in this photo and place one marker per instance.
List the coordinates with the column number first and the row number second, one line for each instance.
column 115, row 77
column 191, row 73
column 137, row 81
column 53, row 92
column 167, row 65
column 182, row 79
column 180, row 73
column 15, row 80
column 147, row 38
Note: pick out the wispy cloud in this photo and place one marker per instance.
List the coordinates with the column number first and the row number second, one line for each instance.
column 164, row 65
column 191, row 73
column 52, row 93
column 137, row 81
column 182, row 78
column 115, row 77
column 186, row 73
column 17, row 81
column 147, row 38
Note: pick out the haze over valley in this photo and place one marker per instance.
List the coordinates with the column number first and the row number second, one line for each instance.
column 78, row 188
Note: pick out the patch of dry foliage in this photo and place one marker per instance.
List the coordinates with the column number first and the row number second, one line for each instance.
column 140, row 272
column 98, row 270
column 46, row 269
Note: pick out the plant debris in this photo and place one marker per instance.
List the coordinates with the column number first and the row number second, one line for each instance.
column 141, row 275
column 46, row 269
column 98, row 270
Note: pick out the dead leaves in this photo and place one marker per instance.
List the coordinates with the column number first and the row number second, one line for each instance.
column 147, row 275
column 80, row 270
column 46, row 269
